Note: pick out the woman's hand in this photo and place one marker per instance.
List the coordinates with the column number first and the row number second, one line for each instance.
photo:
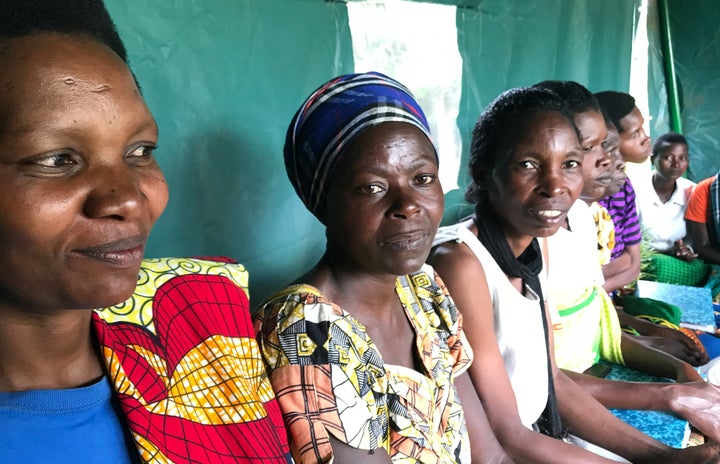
column 708, row 453
column 699, row 404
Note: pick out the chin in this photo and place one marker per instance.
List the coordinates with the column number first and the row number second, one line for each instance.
column 113, row 292
column 408, row 267
column 639, row 159
column 547, row 231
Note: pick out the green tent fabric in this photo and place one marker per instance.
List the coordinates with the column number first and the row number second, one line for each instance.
column 224, row 77
column 509, row 44
column 694, row 32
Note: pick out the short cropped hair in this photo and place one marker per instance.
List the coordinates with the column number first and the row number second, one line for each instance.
column 501, row 126
column 666, row 140
column 89, row 18
column 617, row 105
column 578, row 98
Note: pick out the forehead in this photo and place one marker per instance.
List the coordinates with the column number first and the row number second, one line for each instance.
column 632, row 121
column 677, row 147
column 613, row 137
column 544, row 128
column 589, row 119
column 375, row 143
column 45, row 73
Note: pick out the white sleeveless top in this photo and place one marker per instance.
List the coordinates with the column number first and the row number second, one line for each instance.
column 518, row 328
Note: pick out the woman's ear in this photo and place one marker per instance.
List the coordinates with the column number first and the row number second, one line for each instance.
column 479, row 173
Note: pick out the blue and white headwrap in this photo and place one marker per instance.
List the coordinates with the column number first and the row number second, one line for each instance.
column 332, row 117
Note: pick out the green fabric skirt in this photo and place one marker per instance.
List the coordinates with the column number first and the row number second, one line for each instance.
column 670, row 270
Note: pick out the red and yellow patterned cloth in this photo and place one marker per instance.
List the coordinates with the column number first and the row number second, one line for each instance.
column 183, row 360
column 331, row 380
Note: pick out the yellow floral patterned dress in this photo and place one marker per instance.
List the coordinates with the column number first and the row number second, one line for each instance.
column 606, row 232
column 331, row 380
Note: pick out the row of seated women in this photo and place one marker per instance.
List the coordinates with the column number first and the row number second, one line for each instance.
column 106, row 357
column 678, row 217
column 649, row 215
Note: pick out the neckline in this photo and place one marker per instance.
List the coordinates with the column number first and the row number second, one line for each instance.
column 58, row 400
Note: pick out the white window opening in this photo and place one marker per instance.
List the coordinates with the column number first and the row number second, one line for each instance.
column 416, row 44
column 639, row 85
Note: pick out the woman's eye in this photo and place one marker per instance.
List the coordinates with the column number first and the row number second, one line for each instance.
column 425, row 179
column 572, row 164
column 526, row 165
column 142, row 154
column 588, row 148
column 372, row 189
column 56, row 161
column 143, row 151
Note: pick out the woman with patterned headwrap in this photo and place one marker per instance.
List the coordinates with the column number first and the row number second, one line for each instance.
column 366, row 350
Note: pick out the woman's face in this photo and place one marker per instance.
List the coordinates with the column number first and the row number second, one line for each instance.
column 596, row 161
column 672, row 162
column 617, row 168
column 385, row 201
column 634, row 142
column 79, row 187
column 535, row 185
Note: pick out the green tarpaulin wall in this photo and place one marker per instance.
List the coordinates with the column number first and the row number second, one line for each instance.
column 695, row 33
column 223, row 78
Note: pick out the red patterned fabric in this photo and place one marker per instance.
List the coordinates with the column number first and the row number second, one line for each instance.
column 184, row 363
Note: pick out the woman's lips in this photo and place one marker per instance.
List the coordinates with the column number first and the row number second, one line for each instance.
column 125, row 252
column 406, row 241
column 603, row 180
column 549, row 216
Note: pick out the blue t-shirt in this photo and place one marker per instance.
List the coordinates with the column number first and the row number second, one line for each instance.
column 62, row 426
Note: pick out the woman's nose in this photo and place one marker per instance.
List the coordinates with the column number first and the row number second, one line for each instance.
column 605, row 160
column 115, row 193
column 404, row 204
column 551, row 182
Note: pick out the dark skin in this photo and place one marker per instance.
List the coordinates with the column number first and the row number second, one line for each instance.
column 670, row 164
column 384, row 205
column 596, row 160
column 622, row 270
column 79, row 193
column 617, row 167
column 626, row 267
column 635, row 147
column 656, row 337
column 638, row 355
column 701, row 241
column 635, row 144
column 700, row 232
column 542, row 169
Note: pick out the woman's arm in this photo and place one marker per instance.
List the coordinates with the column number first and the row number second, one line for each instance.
column 701, row 242
column 665, row 339
column 644, row 358
column 639, row 395
column 591, row 421
column 696, row 402
column 345, row 454
column 465, row 279
column 484, row 446
column 622, row 270
column 625, row 440
column 588, row 419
